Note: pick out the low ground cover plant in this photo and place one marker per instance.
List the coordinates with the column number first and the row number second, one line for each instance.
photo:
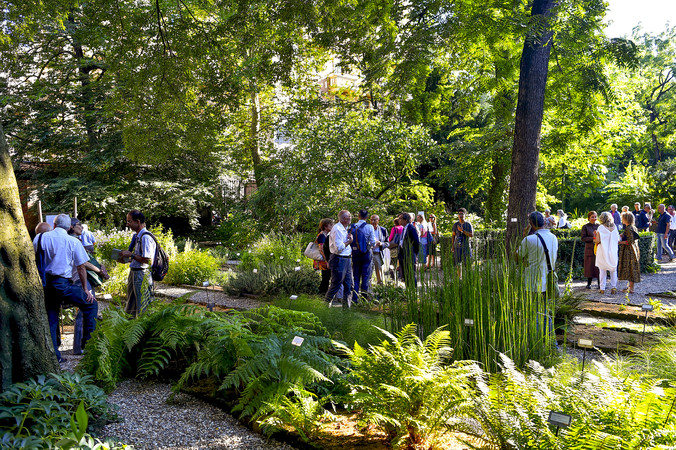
column 54, row 410
column 192, row 266
column 274, row 279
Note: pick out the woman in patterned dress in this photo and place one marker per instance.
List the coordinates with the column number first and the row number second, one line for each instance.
column 629, row 268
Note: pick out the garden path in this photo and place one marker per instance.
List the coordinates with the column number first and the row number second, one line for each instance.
column 662, row 281
column 203, row 296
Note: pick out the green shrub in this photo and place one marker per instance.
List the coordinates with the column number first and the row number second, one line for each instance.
column 116, row 285
column 277, row 250
column 238, row 232
column 192, row 267
column 37, row 413
column 273, row 280
column 408, row 387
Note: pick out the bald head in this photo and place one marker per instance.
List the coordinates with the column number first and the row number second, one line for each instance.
column 43, row 227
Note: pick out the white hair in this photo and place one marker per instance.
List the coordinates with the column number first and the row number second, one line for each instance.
column 62, row 221
column 614, row 204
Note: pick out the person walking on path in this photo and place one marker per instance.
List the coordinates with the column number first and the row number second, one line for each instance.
column 139, row 282
column 587, row 236
column 340, row 260
column 629, row 267
column 662, row 233
column 423, row 235
column 607, row 238
column 325, row 226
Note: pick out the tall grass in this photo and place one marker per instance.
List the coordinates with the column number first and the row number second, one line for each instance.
column 506, row 318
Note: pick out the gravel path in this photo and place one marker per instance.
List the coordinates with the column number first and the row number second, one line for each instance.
column 664, row 280
column 200, row 295
column 184, row 423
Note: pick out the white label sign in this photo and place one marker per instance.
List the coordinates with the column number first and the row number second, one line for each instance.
column 107, row 297
column 514, row 219
column 205, row 284
column 297, row 341
column 255, row 271
column 647, row 307
column 293, row 297
column 559, row 419
column 469, row 322
column 585, row 343
column 297, row 268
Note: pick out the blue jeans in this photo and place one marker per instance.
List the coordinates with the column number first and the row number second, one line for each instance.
column 361, row 269
column 341, row 276
column 663, row 244
column 60, row 291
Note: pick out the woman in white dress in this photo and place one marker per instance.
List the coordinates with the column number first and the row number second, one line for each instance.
column 607, row 256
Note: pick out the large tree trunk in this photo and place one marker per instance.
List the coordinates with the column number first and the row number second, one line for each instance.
column 528, row 123
column 25, row 344
column 254, row 136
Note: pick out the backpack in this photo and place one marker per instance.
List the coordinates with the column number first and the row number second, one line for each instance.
column 160, row 265
column 41, row 261
column 359, row 243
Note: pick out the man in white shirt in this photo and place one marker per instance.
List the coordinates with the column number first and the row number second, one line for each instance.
column 64, row 254
column 340, row 259
column 140, row 281
column 531, row 252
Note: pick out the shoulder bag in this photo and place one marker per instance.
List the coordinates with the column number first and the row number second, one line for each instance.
column 552, row 278
column 312, row 251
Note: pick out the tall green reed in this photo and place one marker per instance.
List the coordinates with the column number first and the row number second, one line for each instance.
column 505, row 318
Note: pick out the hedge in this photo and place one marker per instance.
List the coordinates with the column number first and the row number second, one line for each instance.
column 486, row 242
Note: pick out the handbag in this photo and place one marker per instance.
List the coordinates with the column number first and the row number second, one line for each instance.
column 312, row 251
column 552, row 278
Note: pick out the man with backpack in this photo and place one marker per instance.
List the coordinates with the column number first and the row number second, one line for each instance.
column 363, row 240
column 140, row 259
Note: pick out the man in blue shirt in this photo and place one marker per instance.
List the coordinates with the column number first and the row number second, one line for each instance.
column 340, row 259
column 663, row 226
column 363, row 240
column 63, row 255
column 642, row 219
column 616, row 215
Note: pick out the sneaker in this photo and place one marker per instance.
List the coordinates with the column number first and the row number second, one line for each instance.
column 613, row 291
column 601, row 291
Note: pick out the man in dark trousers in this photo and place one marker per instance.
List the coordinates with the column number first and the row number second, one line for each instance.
column 64, row 255
column 410, row 245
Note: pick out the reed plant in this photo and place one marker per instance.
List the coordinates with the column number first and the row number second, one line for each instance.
column 487, row 311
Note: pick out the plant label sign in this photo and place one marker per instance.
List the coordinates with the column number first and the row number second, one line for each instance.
column 297, row 341
column 107, row 297
column 469, row 322
column 585, row 343
column 255, row 271
column 647, row 307
column 559, row 419
column 293, row 297
column 297, row 268
column 205, row 284
column 514, row 219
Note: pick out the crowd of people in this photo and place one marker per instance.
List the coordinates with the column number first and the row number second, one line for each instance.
column 352, row 252
column 70, row 273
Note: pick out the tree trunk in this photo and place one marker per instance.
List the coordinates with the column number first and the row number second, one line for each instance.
column 25, row 344
column 528, row 124
column 496, row 192
column 86, row 95
column 254, row 136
